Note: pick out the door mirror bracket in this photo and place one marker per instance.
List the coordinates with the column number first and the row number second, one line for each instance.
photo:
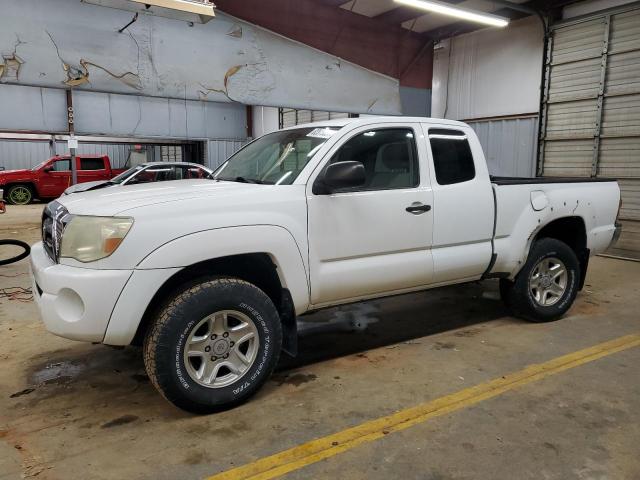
column 339, row 175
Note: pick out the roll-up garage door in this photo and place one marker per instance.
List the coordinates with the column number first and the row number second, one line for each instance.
column 290, row 117
column 591, row 109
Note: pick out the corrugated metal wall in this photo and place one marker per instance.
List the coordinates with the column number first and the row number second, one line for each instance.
column 118, row 153
column 591, row 116
column 17, row 154
column 509, row 145
column 290, row 117
column 31, row 109
column 220, row 150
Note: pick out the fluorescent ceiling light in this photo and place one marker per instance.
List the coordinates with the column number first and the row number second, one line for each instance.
column 458, row 12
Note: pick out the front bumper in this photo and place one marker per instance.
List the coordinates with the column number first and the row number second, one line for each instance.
column 74, row 302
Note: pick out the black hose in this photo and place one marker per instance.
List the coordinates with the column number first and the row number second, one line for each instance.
column 17, row 258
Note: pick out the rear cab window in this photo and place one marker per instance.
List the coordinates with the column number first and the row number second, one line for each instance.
column 452, row 158
column 91, row 163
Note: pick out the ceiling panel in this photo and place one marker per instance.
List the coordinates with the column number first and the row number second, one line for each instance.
column 370, row 8
column 427, row 22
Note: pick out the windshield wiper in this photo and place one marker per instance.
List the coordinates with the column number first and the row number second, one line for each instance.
column 243, row 180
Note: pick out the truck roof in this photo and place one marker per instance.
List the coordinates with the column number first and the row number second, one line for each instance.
column 341, row 122
column 82, row 155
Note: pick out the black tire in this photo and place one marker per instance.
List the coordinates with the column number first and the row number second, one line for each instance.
column 19, row 194
column 167, row 336
column 518, row 295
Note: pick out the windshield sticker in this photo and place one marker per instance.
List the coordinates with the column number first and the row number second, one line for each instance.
column 320, row 133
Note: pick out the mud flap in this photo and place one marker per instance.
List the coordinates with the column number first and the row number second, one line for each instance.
column 289, row 324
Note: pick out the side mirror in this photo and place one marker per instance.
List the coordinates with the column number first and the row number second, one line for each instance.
column 340, row 175
column 48, row 169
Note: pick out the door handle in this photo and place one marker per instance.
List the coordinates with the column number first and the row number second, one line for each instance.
column 417, row 208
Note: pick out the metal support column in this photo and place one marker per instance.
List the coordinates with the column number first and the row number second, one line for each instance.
column 545, row 107
column 72, row 140
column 600, row 102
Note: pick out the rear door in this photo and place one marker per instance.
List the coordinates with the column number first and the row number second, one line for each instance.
column 463, row 211
column 363, row 241
column 92, row 169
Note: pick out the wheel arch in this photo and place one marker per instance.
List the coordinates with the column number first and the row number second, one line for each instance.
column 26, row 183
column 265, row 255
column 257, row 268
column 572, row 231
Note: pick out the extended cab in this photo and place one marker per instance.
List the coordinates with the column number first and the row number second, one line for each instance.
column 50, row 178
column 210, row 275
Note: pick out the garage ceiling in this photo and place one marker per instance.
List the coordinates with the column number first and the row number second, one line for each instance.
column 430, row 24
column 380, row 35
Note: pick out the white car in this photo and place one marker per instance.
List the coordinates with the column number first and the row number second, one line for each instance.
column 146, row 173
column 210, row 275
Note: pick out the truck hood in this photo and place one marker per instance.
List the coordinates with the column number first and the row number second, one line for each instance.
column 11, row 174
column 115, row 201
column 85, row 186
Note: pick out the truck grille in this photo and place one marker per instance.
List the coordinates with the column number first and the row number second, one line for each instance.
column 54, row 219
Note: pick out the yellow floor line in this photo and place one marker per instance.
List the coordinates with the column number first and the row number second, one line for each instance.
column 311, row 452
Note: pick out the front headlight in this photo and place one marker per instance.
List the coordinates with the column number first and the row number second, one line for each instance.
column 88, row 239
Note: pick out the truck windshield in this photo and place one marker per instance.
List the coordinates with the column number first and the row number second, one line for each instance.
column 277, row 158
column 40, row 165
column 126, row 174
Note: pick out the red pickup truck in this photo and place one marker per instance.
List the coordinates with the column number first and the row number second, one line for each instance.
column 52, row 177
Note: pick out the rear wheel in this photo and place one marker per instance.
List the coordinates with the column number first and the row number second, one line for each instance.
column 19, row 195
column 213, row 345
column 547, row 285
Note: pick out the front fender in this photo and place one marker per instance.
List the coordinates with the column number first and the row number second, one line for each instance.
column 273, row 240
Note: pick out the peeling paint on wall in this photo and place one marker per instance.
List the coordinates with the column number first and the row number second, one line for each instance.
column 236, row 31
column 224, row 60
column 10, row 68
column 77, row 76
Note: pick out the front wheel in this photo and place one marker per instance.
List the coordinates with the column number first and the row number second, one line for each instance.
column 547, row 285
column 19, row 195
column 213, row 345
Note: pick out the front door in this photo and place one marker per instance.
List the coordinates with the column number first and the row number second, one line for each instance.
column 363, row 241
column 56, row 181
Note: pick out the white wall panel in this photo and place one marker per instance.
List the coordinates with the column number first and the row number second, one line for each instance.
column 265, row 120
column 492, row 72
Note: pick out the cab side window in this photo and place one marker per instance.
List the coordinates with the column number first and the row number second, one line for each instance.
column 452, row 157
column 389, row 157
column 62, row 165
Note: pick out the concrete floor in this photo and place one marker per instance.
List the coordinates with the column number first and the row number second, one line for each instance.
column 72, row 410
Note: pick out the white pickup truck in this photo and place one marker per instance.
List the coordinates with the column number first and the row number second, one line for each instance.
column 210, row 275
